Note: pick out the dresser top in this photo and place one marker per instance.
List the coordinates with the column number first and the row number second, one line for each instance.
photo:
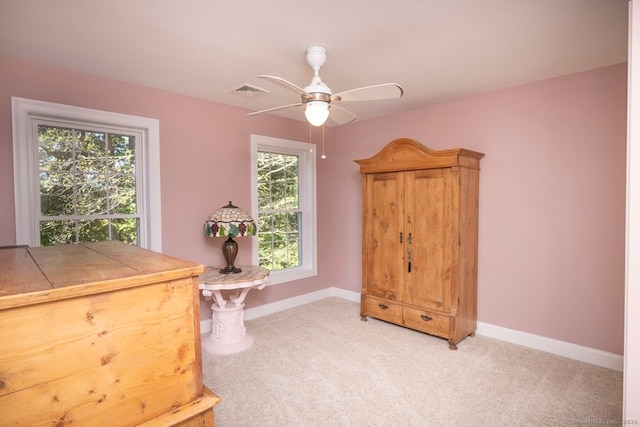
column 33, row 275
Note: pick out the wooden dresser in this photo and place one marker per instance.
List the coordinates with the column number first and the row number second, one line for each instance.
column 420, row 238
column 100, row 334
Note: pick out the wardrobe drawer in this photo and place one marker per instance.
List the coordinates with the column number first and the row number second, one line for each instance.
column 383, row 309
column 427, row 321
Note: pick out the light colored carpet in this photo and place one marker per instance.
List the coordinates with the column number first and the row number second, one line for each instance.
column 319, row 365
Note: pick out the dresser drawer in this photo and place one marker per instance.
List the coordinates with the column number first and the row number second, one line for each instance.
column 427, row 321
column 382, row 309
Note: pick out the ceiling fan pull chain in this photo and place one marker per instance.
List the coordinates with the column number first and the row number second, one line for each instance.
column 323, row 155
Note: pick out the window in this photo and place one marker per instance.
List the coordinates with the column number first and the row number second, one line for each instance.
column 85, row 175
column 87, row 185
column 284, row 206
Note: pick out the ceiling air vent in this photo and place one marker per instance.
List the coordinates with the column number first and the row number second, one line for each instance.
column 250, row 91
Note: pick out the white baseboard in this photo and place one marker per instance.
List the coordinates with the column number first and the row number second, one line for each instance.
column 550, row 345
column 537, row 342
column 275, row 307
column 263, row 310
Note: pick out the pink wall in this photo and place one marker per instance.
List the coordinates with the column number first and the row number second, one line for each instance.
column 552, row 199
column 205, row 153
column 552, row 187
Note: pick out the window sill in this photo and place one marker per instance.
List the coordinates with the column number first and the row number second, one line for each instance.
column 290, row 275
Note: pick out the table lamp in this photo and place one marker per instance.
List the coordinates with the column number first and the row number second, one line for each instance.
column 230, row 221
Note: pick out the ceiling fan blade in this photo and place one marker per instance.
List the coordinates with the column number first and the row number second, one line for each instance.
column 370, row 93
column 340, row 115
column 285, row 83
column 297, row 104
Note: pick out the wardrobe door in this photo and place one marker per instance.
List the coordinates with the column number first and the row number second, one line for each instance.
column 430, row 211
column 384, row 235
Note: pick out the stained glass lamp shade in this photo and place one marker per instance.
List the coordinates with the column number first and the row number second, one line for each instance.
column 230, row 221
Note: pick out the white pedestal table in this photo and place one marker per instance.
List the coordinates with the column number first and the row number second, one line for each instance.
column 228, row 332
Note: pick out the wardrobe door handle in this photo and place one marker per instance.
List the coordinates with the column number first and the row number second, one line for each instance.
column 409, row 241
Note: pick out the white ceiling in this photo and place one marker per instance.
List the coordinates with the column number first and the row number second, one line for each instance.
column 436, row 49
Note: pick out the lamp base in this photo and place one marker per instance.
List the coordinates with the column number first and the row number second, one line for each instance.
column 229, row 251
column 230, row 269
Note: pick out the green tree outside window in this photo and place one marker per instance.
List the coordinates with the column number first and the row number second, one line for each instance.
column 279, row 213
column 87, row 186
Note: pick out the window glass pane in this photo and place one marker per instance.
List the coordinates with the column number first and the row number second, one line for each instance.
column 291, row 194
column 278, row 240
column 122, row 194
column 57, row 232
column 56, row 194
column 264, row 195
column 55, row 149
column 277, row 181
column 122, row 154
column 278, row 195
column 125, row 230
column 91, row 194
column 93, row 230
column 90, row 152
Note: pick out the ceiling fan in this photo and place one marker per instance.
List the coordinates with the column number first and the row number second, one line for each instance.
column 318, row 100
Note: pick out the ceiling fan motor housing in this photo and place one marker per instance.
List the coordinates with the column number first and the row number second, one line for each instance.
column 319, row 92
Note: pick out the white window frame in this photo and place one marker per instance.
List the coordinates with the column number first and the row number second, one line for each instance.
column 25, row 164
column 307, row 199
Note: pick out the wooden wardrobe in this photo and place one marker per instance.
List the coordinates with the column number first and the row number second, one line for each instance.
column 420, row 238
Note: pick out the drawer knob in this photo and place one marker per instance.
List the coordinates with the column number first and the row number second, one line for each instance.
column 383, row 306
column 425, row 317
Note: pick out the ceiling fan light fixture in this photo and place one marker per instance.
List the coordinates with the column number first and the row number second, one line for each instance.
column 318, row 98
column 316, row 112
